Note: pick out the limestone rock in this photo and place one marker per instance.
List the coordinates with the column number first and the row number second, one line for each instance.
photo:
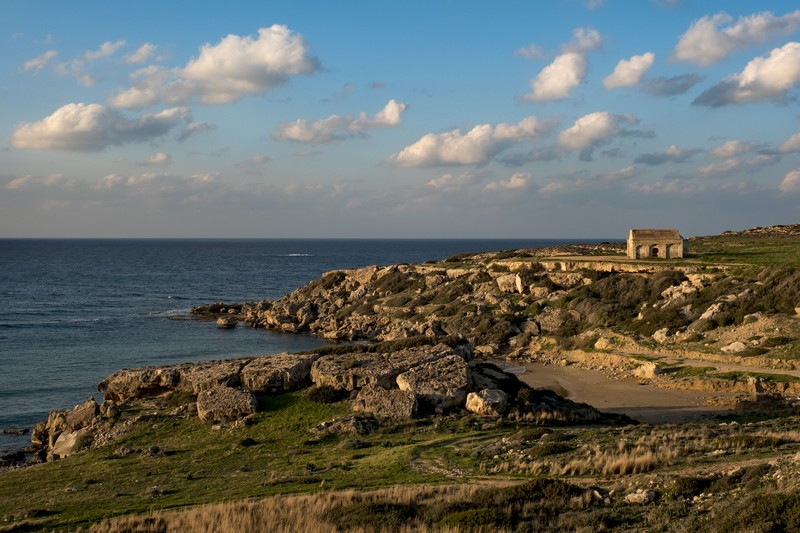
column 68, row 443
column 488, row 402
column 647, row 370
column 661, row 336
column 602, row 344
column 641, row 497
column 356, row 370
column 277, row 373
column 139, row 383
column 226, row 322
column 712, row 311
column 394, row 404
column 225, row 404
column 489, row 376
column 735, row 347
column 209, row 374
column 443, row 383
column 507, row 283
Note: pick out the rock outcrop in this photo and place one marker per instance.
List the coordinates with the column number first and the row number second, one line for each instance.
column 393, row 404
column 225, row 404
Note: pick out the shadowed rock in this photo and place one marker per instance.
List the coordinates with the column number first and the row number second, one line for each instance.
column 443, row 384
column 393, row 404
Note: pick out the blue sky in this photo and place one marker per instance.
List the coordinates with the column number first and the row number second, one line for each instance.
column 416, row 119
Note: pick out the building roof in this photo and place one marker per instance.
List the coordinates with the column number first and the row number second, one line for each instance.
column 655, row 234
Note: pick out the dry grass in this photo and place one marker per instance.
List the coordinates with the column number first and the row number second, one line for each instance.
column 285, row 513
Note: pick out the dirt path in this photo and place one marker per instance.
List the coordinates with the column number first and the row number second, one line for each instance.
column 647, row 404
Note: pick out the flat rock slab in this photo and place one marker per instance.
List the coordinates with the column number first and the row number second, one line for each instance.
column 225, row 404
column 442, row 383
column 393, row 404
column 210, row 374
column 135, row 383
column 277, row 373
column 354, row 371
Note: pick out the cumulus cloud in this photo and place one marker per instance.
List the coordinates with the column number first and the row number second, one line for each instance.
column 159, row 159
column 673, row 154
column 706, row 41
column 142, row 54
column 30, row 181
column 94, row 127
column 568, row 69
column 625, row 173
column 38, row 63
column 792, row 144
column 730, row 166
column 672, row 85
column 791, row 182
column 226, row 72
column 732, row 148
column 518, row 180
column 593, row 130
column 475, row 147
column 629, row 71
column 764, row 78
column 338, row 127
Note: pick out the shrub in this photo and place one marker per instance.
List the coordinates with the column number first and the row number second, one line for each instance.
column 326, row 394
column 368, row 514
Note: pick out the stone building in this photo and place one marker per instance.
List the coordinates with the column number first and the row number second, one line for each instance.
column 650, row 243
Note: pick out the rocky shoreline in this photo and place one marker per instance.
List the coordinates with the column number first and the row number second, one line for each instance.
column 417, row 339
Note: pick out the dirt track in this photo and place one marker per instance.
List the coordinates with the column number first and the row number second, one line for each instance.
column 647, row 404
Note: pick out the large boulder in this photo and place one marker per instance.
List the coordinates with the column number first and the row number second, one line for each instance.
column 442, row 384
column 225, row 404
column 210, row 374
column 277, row 373
column 356, row 370
column 394, row 404
column 130, row 384
column 488, row 402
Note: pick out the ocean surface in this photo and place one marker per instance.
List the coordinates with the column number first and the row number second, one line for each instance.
column 74, row 311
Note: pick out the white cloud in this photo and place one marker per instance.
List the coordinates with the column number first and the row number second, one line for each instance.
column 729, row 166
column 704, row 43
column 531, row 52
column 226, row 72
column 159, row 159
column 625, row 173
column 191, row 129
column 477, row 146
column 30, row 181
column 453, row 182
column 106, row 49
column 518, row 180
column 338, row 127
column 584, row 40
column 94, row 127
column 792, row 144
column 38, row 63
column 791, row 182
column 142, row 54
column 568, row 69
column 764, row 78
column 592, row 130
column 629, row 72
column 732, row 148
column 557, row 79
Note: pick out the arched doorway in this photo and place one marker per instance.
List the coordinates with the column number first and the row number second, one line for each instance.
column 653, row 251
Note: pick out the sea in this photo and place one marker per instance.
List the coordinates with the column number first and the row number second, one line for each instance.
column 76, row 310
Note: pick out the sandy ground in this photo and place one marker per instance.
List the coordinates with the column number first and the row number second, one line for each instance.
column 647, row 404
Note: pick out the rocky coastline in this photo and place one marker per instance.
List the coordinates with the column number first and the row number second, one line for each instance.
column 416, row 339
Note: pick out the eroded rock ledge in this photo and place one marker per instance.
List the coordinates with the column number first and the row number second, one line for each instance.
column 394, row 385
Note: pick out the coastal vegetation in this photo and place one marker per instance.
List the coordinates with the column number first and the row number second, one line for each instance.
column 310, row 456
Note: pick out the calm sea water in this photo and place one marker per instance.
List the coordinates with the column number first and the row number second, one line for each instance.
column 74, row 311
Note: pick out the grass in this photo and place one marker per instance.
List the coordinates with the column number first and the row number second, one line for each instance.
column 276, row 454
column 746, row 250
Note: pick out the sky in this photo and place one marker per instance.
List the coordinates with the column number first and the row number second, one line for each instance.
column 413, row 119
